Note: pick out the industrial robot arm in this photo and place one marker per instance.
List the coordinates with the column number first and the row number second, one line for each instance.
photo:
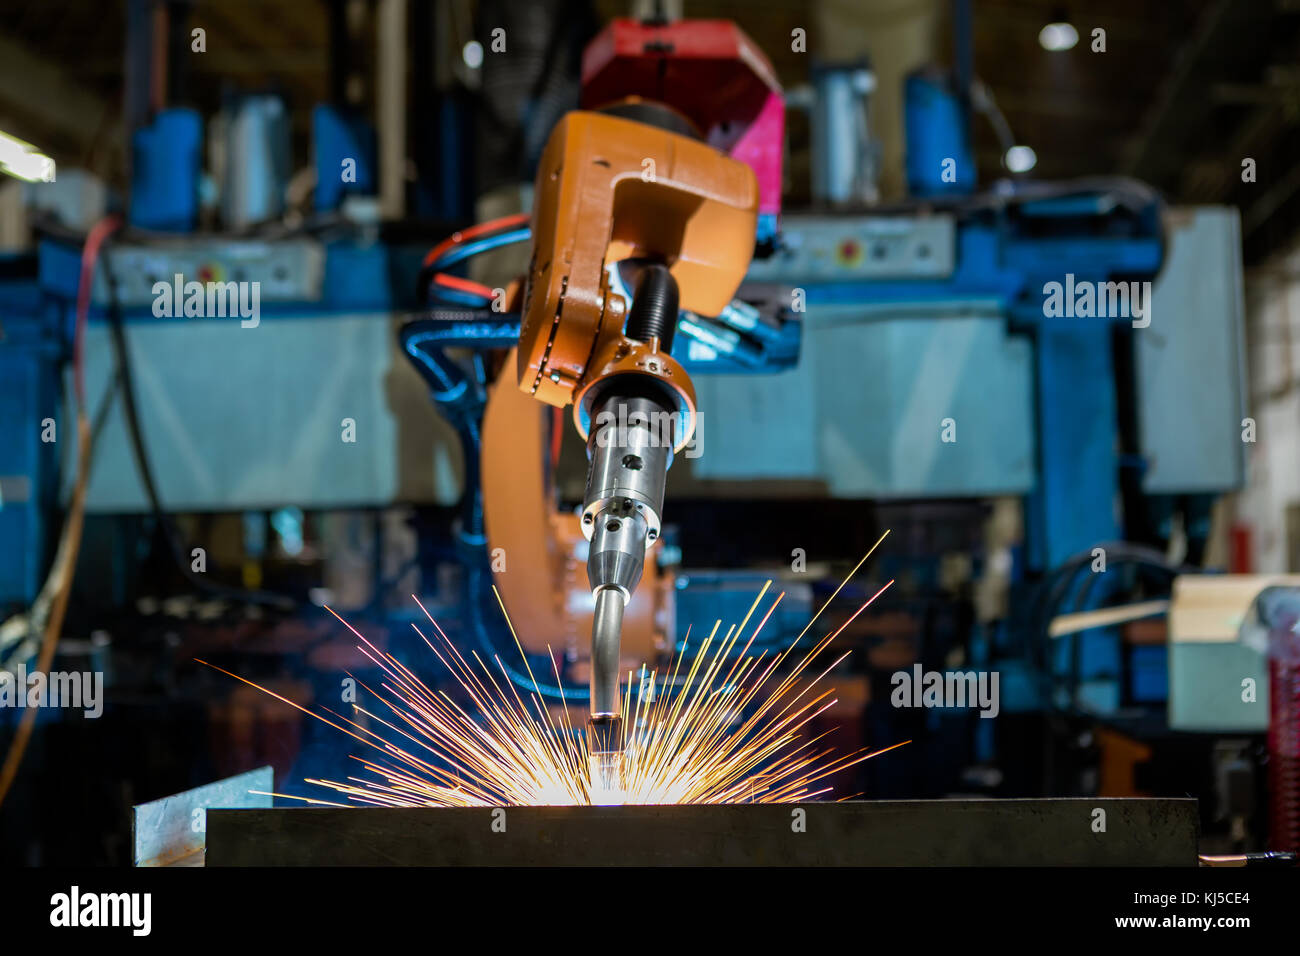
column 629, row 449
column 632, row 185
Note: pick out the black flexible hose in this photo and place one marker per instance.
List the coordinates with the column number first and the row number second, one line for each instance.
column 654, row 307
column 171, row 534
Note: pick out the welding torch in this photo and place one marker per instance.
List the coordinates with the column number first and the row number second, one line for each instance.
column 629, row 449
column 630, row 189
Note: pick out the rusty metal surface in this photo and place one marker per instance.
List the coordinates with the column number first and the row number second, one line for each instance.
column 1052, row 832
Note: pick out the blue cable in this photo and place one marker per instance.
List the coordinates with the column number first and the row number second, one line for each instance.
column 468, row 249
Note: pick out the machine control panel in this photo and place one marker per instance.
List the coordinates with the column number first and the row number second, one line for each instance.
column 287, row 270
column 831, row 248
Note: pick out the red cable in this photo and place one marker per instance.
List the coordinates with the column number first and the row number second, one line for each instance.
column 492, row 225
column 99, row 232
column 70, row 538
column 464, row 285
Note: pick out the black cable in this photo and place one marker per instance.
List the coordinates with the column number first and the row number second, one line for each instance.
column 1058, row 586
column 171, row 534
column 1061, row 584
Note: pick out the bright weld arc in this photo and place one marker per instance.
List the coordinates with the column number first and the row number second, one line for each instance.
column 680, row 747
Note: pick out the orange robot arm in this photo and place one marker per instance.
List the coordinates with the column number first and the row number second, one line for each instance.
column 609, row 189
column 630, row 185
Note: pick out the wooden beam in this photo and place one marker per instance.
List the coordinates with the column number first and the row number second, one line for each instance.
column 1105, row 617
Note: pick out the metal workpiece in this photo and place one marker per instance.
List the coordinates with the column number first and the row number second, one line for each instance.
column 163, row 831
column 1052, row 832
column 606, row 636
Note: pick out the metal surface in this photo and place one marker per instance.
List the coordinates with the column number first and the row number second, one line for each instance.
column 286, row 270
column 1073, row 506
column 631, row 449
column 940, row 160
column 864, row 413
column 841, row 248
column 710, row 71
column 1218, row 652
column 165, row 171
column 593, row 206
column 630, row 454
column 340, row 135
column 547, row 581
column 605, row 755
column 1064, row 832
column 171, row 831
column 30, row 356
column 257, row 167
column 606, row 637
column 1190, row 420
column 845, row 160
column 231, row 423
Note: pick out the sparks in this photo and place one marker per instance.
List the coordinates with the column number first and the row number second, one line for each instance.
column 688, row 741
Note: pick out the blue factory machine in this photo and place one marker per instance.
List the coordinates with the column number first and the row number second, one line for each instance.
column 903, row 353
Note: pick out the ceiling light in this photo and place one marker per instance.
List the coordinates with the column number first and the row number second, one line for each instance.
column 1020, row 159
column 1058, row 36
column 22, row 161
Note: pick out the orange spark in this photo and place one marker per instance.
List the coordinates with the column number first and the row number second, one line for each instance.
column 689, row 744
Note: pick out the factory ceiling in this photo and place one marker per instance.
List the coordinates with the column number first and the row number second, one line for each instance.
column 1184, row 92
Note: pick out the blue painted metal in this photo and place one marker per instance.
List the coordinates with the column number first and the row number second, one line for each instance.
column 1149, row 677
column 1073, row 507
column 358, row 276
column 339, row 135
column 165, row 172
column 1004, row 259
column 937, row 132
column 31, row 353
column 704, row 597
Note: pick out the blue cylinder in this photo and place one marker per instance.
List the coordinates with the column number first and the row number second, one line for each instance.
column 165, row 172
column 939, row 157
column 345, row 156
